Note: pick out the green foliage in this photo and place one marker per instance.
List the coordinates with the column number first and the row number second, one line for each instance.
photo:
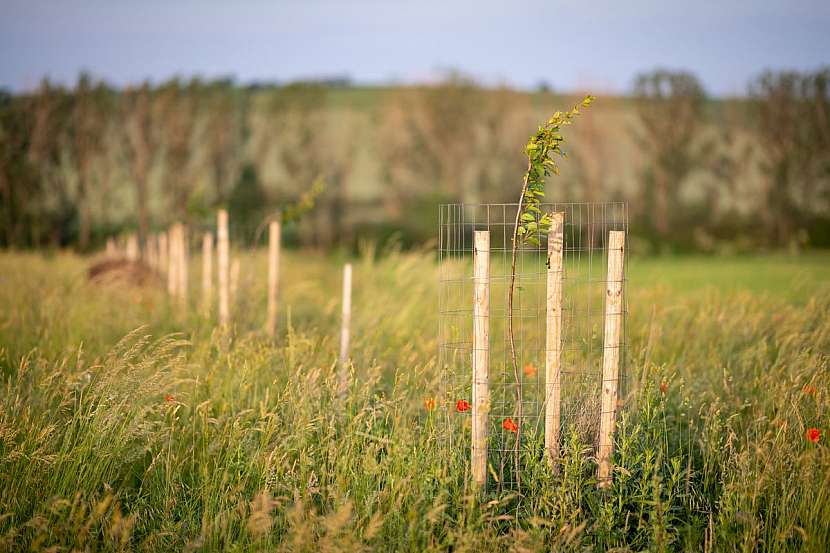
column 293, row 212
column 247, row 201
column 792, row 119
column 83, row 162
column 541, row 150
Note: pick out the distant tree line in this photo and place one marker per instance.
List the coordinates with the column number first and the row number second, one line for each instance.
column 78, row 164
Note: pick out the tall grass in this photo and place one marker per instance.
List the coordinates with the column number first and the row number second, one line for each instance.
column 124, row 425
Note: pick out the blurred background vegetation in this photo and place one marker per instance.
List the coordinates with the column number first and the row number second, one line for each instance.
column 716, row 175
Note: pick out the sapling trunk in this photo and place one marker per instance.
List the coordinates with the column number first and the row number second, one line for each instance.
column 530, row 222
column 518, row 410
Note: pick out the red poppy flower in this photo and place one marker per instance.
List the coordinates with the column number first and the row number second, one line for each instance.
column 169, row 399
column 664, row 387
column 462, row 405
column 429, row 403
column 509, row 425
column 809, row 390
column 529, row 370
column 813, row 435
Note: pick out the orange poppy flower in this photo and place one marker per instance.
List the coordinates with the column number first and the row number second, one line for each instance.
column 529, row 370
column 813, row 435
column 462, row 405
column 809, row 390
column 664, row 387
column 509, row 425
column 169, row 399
column 429, row 403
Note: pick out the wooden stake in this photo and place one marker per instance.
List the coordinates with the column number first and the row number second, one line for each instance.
column 553, row 337
column 345, row 328
column 173, row 261
column 222, row 252
column 164, row 259
column 611, row 354
column 207, row 273
column 481, row 354
column 273, row 276
column 132, row 248
column 112, row 249
column 181, row 270
column 152, row 252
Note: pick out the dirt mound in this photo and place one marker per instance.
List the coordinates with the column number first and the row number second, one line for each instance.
column 123, row 271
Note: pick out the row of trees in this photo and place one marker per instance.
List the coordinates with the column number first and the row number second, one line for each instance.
column 765, row 161
column 79, row 164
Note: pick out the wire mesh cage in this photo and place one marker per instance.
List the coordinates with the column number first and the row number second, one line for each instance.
column 518, row 415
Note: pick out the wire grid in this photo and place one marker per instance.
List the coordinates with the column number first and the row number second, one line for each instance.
column 584, row 282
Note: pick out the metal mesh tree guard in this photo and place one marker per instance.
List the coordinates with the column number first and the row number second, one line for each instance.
column 569, row 334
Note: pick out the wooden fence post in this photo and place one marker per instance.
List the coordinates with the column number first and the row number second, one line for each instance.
column 481, row 355
column 164, row 259
column 345, row 329
column 611, row 354
column 553, row 337
column 181, row 270
column 273, row 276
column 152, row 251
column 207, row 272
column 132, row 248
column 223, row 253
column 112, row 249
column 173, row 260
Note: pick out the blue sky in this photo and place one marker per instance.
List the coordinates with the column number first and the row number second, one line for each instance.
column 597, row 45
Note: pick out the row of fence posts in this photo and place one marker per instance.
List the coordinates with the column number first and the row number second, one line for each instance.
column 167, row 254
column 553, row 349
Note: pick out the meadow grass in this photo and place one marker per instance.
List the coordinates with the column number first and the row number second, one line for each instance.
column 125, row 425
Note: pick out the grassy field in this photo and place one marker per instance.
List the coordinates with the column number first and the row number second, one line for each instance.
column 127, row 425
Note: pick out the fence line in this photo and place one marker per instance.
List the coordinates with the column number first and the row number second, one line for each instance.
column 173, row 261
column 182, row 270
column 345, row 329
column 489, row 450
column 207, row 273
column 273, row 276
column 223, row 253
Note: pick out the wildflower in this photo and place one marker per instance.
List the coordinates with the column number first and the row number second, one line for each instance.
column 429, row 403
column 809, row 390
column 462, row 405
column 169, row 399
column 664, row 387
column 509, row 425
column 813, row 435
column 529, row 370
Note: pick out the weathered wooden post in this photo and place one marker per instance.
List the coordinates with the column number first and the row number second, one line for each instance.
column 481, row 354
column 181, row 270
column 152, row 252
column 112, row 249
column 207, row 272
column 164, row 258
column 345, row 329
column 611, row 354
column 223, row 253
column 173, row 260
column 273, row 276
column 132, row 248
column 553, row 337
